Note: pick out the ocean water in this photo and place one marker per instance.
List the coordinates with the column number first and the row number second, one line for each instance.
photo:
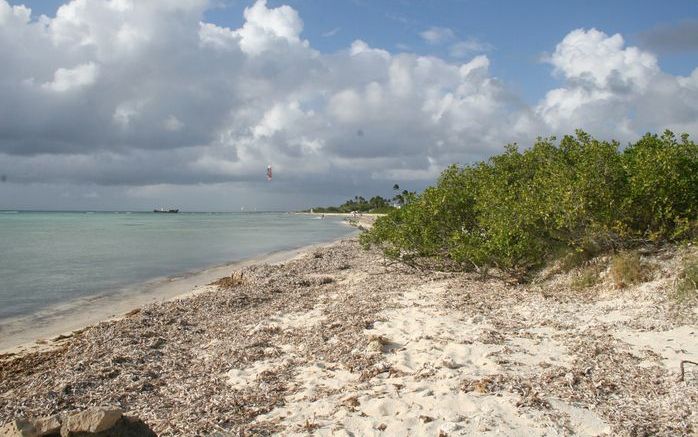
column 49, row 258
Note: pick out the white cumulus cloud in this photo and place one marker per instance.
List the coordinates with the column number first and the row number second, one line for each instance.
column 266, row 27
column 615, row 90
column 65, row 79
column 147, row 93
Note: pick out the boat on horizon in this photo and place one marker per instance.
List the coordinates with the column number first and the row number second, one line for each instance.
column 166, row 211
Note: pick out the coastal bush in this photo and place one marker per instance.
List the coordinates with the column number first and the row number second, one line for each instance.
column 687, row 284
column 422, row 231
column 519, row 209
column 662, row 198
column 381, row 210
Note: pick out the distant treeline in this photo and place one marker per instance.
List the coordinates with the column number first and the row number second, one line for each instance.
column 374, row 205
column 580, row 196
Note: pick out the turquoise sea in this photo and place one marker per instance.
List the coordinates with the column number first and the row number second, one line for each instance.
column 50, row 258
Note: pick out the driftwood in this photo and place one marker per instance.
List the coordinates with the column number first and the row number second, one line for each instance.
column 683, row 363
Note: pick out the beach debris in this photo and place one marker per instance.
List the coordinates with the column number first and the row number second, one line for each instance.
column 448, row 428
column 351, row 402
column 325, row 280
column 488, row 384
column 491, row 336
column 450, row 363
column 157, row 343
column 309, row 426
column 169, row 363
column 133, row 312
column 377, row 343
column 683, row 363
column 234, row 280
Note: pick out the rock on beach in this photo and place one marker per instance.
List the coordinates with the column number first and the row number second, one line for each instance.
column 96, row 421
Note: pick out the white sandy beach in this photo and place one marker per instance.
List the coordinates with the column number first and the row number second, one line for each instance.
column 336, row 342
column 448, row 372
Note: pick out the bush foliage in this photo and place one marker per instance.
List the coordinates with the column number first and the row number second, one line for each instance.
column 518, row 209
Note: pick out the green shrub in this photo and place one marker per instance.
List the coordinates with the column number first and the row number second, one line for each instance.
column 381, row 210
column 687, row 284
column 519, row 209
column 662, row 174
column 628, row 269
column 420, row 232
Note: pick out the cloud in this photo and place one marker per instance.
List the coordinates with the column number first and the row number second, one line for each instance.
column 173, row 124
column 265, row 28
column 592, row 57
column 616, row 90
column 457, row 48
column 438, row 35
column 672, row 38
column 135, row 94
column 332, row 32
column 65, row 79
column 462, row 49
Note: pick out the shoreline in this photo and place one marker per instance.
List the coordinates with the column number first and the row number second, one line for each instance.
column 38, row 331
column 360, row 221
column 337, row 342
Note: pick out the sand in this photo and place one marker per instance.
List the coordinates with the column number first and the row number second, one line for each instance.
column 338, row 342
column 455, row 372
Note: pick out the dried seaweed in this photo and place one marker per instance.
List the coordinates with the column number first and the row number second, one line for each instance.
column 167, row 363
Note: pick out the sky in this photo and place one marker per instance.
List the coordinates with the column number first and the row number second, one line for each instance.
column 131, row 105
